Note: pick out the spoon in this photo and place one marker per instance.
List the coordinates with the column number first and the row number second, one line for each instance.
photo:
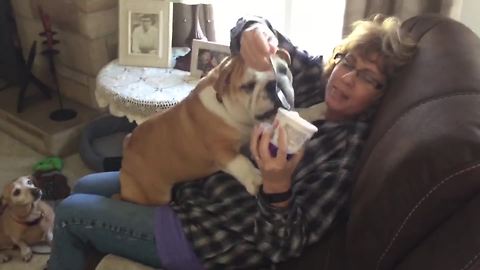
column 280, row 95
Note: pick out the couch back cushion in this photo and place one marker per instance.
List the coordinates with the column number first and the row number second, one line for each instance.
column 422, row 160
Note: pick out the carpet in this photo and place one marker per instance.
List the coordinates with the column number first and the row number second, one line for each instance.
column 17, row 159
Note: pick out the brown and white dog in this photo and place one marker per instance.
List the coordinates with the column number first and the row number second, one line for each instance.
column 203, row 133
column 25, row 219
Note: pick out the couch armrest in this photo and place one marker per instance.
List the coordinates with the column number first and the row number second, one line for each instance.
column 453, row 245
column 421, row 162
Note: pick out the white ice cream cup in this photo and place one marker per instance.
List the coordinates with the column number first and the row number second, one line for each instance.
column 297, row 129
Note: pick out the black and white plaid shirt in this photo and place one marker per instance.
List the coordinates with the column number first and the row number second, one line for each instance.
column 230, row 229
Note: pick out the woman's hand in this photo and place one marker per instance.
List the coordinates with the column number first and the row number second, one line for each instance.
column 276, row 171
column 257, row 43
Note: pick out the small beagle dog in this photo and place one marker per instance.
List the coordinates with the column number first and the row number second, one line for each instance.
column 24, row 218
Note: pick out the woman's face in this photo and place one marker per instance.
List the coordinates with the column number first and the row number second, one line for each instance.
column 354, row 85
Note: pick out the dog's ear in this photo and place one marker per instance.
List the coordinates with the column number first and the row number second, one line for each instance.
column 33, row 179
column 7, row 189
column 282, row 53
column 3, row 204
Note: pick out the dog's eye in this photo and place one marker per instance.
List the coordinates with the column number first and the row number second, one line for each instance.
column 30, row 182
column 282, row 70
column 16, row 192
column 248, row 86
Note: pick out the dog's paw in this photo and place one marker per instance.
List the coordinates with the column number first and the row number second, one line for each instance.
column 5, row 258
column 252, row 189
column 252, row 185
column 27, row 255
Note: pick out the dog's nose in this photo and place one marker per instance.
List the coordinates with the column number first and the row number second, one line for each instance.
column 271, row 86
column 36, row 193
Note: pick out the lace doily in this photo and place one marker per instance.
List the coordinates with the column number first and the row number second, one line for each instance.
column 138, row 92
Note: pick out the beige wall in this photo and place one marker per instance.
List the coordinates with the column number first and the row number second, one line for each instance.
column 471, row 15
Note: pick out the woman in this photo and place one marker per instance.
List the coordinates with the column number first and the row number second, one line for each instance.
column 214, row 223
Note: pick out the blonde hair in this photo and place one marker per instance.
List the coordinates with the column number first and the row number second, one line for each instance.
column 377, row 35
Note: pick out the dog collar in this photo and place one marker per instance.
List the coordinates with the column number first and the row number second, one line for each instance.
column 29, row 223
column 34, row 222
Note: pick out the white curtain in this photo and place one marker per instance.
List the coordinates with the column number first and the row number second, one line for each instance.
column 315, row 26
column 404, row 9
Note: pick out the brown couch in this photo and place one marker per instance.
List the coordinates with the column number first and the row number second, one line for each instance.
column 414, row 204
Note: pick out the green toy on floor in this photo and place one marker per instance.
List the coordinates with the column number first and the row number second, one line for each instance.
column 48, row 177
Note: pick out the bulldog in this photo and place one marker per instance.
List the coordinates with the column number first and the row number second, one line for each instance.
column 25, row 219
column 204, row 132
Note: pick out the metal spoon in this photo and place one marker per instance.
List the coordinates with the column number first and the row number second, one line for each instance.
column 281, row 96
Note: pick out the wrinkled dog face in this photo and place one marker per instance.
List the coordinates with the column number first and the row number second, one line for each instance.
column 270, row 91
column 254, row 95
column 21, row 192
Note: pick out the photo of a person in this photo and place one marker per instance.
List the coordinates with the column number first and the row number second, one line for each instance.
column 207, row 60
column 144, row 33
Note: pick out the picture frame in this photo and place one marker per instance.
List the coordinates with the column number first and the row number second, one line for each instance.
column 145, row 33
column 206, row 55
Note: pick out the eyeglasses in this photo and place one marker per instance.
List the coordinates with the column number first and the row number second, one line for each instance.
column 347, row 61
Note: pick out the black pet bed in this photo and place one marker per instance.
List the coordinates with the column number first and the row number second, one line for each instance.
column 101, row 142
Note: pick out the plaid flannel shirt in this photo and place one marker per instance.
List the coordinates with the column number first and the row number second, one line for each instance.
column 230, row 229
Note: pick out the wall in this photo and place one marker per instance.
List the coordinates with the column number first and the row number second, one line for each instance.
column 471, row 15
column 87, row 31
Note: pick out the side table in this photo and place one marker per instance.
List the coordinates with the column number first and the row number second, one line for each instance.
column 138, row 92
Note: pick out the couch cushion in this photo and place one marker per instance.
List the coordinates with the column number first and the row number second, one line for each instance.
column 419, row 163
column 327, row 254
column 112, row 262
column 440, row 251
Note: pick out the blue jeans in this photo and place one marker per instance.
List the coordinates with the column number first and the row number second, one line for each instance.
column 89, row 219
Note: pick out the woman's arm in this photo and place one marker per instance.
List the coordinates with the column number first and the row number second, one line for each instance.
column 228, row 227
column 321, row 189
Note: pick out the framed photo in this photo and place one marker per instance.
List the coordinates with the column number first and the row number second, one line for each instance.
column 145, row 33
column 206, row 55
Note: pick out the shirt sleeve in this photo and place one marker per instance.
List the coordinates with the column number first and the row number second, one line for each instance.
column 321, row 189
column 307, row 70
